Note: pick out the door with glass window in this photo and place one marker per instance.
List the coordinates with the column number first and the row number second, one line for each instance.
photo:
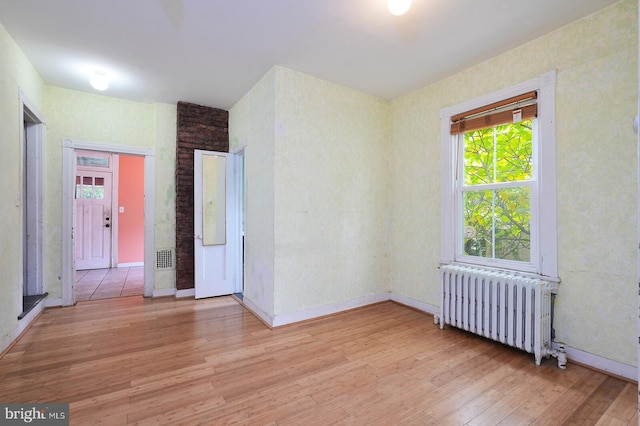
column 93, row 219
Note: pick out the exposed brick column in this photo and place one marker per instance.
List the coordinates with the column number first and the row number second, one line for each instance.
column 199, row 127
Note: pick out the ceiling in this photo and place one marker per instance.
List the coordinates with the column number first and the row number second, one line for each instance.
column 212, row 52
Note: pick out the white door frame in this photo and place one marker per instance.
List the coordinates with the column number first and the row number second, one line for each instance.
column 33, row 153
column 238, row 167
column 68, row 188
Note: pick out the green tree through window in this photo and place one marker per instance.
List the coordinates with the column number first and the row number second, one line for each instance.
column 497, row 174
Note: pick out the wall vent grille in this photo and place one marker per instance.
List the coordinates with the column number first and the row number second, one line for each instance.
column 165, row 259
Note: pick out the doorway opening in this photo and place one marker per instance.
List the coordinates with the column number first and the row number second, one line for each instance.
column 32, row 136
column 74, row 181
column 239, row 160
column 109, row 225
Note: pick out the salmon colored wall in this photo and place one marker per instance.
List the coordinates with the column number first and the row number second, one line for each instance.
column 131, row 221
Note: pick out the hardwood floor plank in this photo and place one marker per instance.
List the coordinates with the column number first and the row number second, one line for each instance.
column 186, row 362
column 465, row 394
column 321, row 416
column 625, row 406
column 597, row 403
column 571, row 399
column 606, row 420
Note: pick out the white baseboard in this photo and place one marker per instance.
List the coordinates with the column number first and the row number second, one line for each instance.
column 190, row 292
column 22, row 326
column 130, row 264
column 164, row 292
column 600, row 363
column 416, row 304
column 52, row 303
column 255, row 310
column 325, row 310
column 307, row 314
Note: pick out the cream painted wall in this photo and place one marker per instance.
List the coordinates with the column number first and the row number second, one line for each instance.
column 252, row 128
column 102, row 119
column 16, row 73
column 316, row 172
column 165, row 214
column 596, row 101
column 331, row 190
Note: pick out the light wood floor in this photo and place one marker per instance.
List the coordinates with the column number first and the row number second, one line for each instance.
column 137, row 361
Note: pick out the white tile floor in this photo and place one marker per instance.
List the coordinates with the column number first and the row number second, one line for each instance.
column 108, row 283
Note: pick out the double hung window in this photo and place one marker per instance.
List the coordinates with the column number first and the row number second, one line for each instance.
column 499, row 181
column 496, row 180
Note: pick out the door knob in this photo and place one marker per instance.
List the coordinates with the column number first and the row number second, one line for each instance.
column 107, row 225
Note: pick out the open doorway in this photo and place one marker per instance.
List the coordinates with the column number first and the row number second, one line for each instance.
column 32, row 136
column 143, row 271
column 109, row 225
column 240, row 208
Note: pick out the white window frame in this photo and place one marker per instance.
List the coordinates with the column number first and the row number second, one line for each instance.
column 544, row 253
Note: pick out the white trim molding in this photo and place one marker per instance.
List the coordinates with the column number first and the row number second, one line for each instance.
column 164, row 292
column 181, row 294
column 416, row 304
column 334, row 308
column 53, row 303
column 600, row 363
column 68, row 172
column 255, row 310
column 545, row 260
column 23, row 324
column 32, row 198
column 130, row 264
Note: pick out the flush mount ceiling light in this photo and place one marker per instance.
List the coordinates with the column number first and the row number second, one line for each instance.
column 99, row 81
column 399, row 7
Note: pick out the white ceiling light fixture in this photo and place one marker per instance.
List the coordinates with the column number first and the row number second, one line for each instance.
column 99, row 81
column 399, row 7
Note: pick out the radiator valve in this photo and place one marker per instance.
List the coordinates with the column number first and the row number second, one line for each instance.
column 561, row 355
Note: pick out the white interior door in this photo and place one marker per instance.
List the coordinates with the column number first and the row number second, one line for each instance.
column 214, row 219
column 93, row 219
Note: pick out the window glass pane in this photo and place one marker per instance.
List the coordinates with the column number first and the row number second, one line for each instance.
column 498, row 154
column 497, row 223
column 478, row 223
column 98, row 189
column 478, row 157
column 84, row 189
column 93, row 161
column 512, row 228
